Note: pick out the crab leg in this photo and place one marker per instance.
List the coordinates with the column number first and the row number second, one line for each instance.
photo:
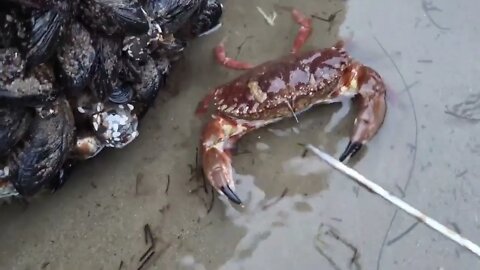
column 218, row 138
column 228, row 62
column 304, row 31
column 303, row 34
column 371, row 101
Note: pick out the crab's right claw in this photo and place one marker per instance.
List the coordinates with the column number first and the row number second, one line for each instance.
column 351, row 150
column 372, row 107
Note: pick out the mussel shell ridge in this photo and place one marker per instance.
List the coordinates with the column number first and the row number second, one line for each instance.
column 44, row 150
column 14, row 123
column 121, row 94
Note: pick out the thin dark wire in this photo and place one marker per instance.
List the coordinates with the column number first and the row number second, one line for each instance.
column 400, row 236
column 414, row 159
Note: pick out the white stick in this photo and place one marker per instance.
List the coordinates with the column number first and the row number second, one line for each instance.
column 396, row 201
column 270, row 19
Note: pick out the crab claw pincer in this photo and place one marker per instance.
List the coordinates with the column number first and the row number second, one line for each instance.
column 218, row 169
column 218, row 136
column 371, row 106
column 351, row 150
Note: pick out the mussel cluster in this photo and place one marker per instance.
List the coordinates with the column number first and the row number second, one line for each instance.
column 76, row 76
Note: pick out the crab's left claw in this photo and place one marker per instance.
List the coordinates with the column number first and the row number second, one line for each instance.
column 372, row 106
column 219, row 135
column 231, row 195
column 218, row 170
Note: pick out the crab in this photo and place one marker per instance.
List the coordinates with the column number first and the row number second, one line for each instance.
column 284, row 88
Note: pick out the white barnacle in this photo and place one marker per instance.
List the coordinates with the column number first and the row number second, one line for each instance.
column 223, row 107
column 123, row 120
column 115, row 126
column 257, row 92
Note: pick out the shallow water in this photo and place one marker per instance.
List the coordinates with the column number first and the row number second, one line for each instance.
column 427, row 151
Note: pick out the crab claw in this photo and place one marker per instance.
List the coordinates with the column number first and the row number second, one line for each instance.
column 351, row 150
column 372, row 106
column 227, row 191
column 218, row 170
column 219, row 135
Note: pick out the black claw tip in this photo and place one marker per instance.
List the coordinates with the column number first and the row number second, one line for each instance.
column 351, row 150
column 231, row 195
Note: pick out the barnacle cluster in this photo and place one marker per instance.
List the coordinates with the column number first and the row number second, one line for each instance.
column 77, row 76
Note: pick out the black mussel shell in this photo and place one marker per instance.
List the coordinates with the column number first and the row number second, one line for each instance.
column 27, row 92
column 59, row 180
column 121, row 94
column 146, row 90
column 12, row 66
column 130, row 71
column 136, row 48
column 75, row 59
column 172, row 14
column 44, row 149
column 207, row 19
column 36, row 89
column 44, row 73
column 163, row 67
column 107, row 68
column 45, row 33
column 123, row 17
column 14, row 123
column 16, row 89
column 172, row 48
column 84, row 106
column 36, row 4
column 154, row 75
column 8, row 28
